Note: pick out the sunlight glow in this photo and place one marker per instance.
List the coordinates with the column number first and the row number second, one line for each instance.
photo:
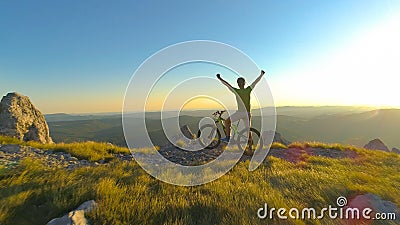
column 364, row 72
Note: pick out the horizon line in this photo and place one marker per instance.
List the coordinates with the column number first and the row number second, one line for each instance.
column 206, row 109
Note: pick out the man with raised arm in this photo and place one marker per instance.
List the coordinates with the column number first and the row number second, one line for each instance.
column 243, row 103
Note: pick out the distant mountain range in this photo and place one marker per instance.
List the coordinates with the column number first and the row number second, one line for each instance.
column 348, row 125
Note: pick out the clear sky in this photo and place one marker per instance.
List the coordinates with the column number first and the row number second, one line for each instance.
column 78, row 56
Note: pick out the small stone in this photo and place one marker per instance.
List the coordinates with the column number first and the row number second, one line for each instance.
column 39, row 151
column 76, row 216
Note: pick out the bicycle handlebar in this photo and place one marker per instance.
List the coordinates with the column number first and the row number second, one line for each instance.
column 219, row 113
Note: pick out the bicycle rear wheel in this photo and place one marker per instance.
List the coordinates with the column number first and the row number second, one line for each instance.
column 249, row 145
column 211, row 136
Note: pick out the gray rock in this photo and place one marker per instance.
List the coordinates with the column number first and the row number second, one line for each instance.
column 38, row 151
column 48, row 152
column 376, row 144
column 75, row 217
column 21, row 119
column 10, row 149
column 375, row 202
column 395, row 150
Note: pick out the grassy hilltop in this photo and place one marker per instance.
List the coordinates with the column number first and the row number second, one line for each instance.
column 33, row 193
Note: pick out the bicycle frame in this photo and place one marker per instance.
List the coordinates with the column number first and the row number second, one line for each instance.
column 221, row 120
column 238, row 136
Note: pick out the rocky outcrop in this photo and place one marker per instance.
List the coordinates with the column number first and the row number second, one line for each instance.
column 376, row 144
column 21, row 119
column 395, row 150
column 75, row 217
column 190, row 158
column 12, row 154
column 277, row 137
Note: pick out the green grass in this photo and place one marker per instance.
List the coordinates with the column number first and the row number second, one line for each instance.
column 278, row 145
column 313, row 144
column 3, row 170
column 9, row 140
column 126, row 194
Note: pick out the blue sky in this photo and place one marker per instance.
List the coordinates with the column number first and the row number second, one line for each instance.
column 78, row 56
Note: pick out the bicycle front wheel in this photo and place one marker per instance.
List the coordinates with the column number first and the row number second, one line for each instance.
column 249, row 141
column 209, row 136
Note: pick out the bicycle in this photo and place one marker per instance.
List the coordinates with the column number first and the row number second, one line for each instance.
column 242, row 140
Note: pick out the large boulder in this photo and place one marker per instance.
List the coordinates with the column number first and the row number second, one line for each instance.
column 21, row 119
column 376, row 144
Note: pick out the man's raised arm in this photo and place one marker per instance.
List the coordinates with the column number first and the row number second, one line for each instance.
column 225, row 82
column 258, row 79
